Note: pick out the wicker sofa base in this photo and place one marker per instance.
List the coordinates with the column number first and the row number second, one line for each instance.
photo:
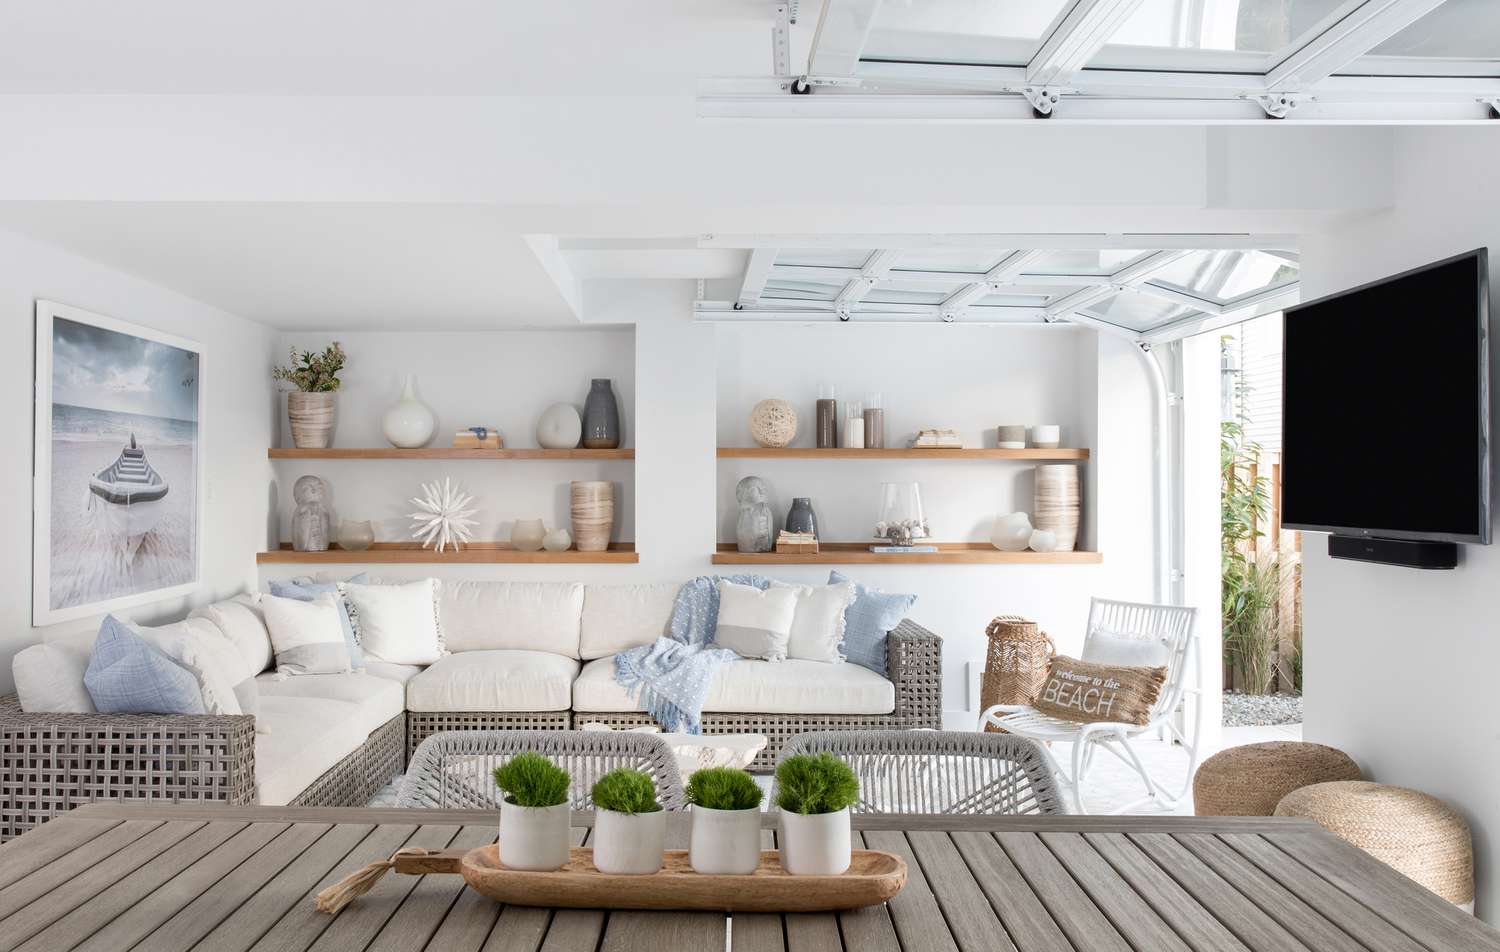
column 422, row 724
column 354, row 780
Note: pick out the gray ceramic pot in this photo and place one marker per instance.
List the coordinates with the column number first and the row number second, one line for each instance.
column 601, row 417
column 801, row 518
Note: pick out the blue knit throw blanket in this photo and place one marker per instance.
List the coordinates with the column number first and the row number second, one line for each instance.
column 672, row 677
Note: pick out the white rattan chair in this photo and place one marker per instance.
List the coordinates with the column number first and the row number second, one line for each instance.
column 1171, row 626
column 952, row 772
column 452, row 769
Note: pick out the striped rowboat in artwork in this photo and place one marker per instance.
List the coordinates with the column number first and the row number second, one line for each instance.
column 131, row 492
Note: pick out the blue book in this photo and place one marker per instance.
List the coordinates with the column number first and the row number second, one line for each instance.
column 903, row 548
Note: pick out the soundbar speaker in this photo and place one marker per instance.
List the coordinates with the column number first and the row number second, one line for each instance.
column 1405, row 552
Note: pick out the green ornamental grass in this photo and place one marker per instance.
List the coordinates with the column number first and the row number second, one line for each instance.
column 815, row 783
column 723, row 788
column 626, row 791
column 531, row 780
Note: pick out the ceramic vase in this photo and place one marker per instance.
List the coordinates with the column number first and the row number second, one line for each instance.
column 629, row 844
column 801, row 517
column 312, row 416
column 559, row 427
column 409, row 423
column 527, row 535
column 724, row 842
column 558, row 540
column 1057, row 503
column 593, row 509
column 1010, row 436
column 356, row 536
column 1012, row 532
column 1047, row 436
column 534, row 838
column 815, row 844
column 601, row 416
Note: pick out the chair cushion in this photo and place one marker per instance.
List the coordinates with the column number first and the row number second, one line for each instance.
column 378, row 699
column 512, row 616
column 756, row 687
column 241, row 620
column 298, row 739
column 494, row 681
column 1104, row 646
column 49, row 679
column 616, row 617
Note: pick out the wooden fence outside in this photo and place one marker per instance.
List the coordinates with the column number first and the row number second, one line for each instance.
column 1286, row 545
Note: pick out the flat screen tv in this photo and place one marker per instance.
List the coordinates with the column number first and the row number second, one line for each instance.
column 1385, row 415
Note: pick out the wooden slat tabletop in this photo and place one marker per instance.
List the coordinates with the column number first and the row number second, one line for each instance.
column 236, row 879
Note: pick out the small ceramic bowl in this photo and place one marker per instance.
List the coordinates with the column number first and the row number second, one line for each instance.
column 1010, row 437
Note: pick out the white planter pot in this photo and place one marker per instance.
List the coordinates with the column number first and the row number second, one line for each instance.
column 725, row 842
column 816, row 844
column 629, row 843
column 534, row 838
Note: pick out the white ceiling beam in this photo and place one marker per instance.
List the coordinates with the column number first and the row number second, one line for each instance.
column 875, row 267
column 1138, row 271
column 1344, row 41
column 843, row 28
column 1061, row 241
column 1074, row 37
column 724, row 312
column 757, row 270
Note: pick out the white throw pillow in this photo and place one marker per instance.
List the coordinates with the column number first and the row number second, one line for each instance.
column 308, row 636
column 753, row 622
column 212, row 665
column 1103, row 646
column 241, row 620
column 818, row 627
column 49, row 679
column 398, row 624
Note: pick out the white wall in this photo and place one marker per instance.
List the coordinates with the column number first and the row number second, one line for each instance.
column 502, row 379
column 1400, row 664
column 239, row 411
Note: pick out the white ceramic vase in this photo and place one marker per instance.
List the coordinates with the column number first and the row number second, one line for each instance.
column 534, row 838
column 559, row 427
column 815, row 844
column 1012, row 532
column 725, row 842
column 527, row 535
column 409, row 423
column 558, row 540
column 1043, row 541
column 629, row 844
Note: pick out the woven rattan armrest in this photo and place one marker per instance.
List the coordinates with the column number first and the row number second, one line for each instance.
column 914, row 663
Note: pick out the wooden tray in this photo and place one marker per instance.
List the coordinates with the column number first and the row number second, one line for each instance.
column 872, row 878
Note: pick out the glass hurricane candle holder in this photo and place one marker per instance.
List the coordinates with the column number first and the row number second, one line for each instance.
column 902, row 521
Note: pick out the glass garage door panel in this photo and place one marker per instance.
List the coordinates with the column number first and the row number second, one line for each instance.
column 989, row 32
column 962, row 260
column 1247, row 26
column 1095, row 263
column 1224, row 276
column 1139, row 312
column 1459, row 29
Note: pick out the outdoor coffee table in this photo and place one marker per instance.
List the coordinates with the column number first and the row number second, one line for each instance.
column 224, row 879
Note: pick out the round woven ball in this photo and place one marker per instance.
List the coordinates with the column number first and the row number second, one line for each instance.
column 1415, row 834
column 1251, row 780
column 773, row 423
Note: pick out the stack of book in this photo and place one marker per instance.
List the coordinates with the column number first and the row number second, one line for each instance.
column 937, row 438
column 798, row 543
column 478, row 438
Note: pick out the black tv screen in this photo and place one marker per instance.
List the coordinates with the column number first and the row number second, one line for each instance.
column 1385, row 419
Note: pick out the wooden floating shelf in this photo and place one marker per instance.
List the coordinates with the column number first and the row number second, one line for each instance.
column 807, row 452
column 858, row 553
column 444, row 452
column 487, row 553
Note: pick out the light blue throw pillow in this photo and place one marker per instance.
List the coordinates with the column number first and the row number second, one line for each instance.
column 126, row 675
column 308, row 590
column 867, row 622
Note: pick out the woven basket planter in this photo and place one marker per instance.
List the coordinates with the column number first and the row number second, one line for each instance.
column 1015, row 663
column 1251, row 780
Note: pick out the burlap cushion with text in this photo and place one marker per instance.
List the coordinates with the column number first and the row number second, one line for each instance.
column 1078, row 691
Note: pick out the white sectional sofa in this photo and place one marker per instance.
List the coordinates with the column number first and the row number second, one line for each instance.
column 522, row 655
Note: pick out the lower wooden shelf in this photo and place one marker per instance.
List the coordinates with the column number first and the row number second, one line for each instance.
column 473, row 553
column 858, row 553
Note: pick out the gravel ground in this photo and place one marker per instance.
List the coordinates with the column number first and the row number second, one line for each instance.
column 1250, row 710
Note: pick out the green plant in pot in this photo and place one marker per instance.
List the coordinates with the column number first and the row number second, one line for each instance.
column 630, row 827
column 311, row 407
column 814, row 793
column 726, row 821
column 535, row 813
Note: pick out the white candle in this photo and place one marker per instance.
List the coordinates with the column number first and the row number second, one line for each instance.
column 854, row 433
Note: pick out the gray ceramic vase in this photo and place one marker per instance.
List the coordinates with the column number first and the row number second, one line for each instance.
column 801, row 518
column 601, row 417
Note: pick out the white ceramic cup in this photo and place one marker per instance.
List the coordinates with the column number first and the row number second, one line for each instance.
column 725, row 842
column 1046, row 435
column 534, row 838
column 815, row 844
column 629, row 843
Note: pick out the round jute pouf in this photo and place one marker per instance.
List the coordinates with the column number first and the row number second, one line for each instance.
column 1251, row 780
column 1415, row 834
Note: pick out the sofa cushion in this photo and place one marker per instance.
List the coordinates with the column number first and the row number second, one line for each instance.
column 241, row 620
column 49, row 679
column 298, row 739
column 398, row 623
column 512, row 616
column 378, row 699
column 308, row 635
column 756, row 687
column 400, row 673
column 494, row 681
column 616, row 617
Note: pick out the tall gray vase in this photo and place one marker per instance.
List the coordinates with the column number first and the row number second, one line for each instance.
column 601, row 417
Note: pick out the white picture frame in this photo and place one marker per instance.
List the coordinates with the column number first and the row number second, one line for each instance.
column 91, row 552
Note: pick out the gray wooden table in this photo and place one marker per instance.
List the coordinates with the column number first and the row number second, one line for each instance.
column 227, row 879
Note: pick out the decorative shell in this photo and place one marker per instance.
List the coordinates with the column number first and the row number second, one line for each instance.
column 773, row 423
column 442, row 516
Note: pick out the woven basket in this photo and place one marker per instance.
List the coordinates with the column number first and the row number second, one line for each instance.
column 1250, row 780
column 1415, row 834
column 1015, row 664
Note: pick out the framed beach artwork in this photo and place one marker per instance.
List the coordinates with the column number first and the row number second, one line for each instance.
column 118, row 487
